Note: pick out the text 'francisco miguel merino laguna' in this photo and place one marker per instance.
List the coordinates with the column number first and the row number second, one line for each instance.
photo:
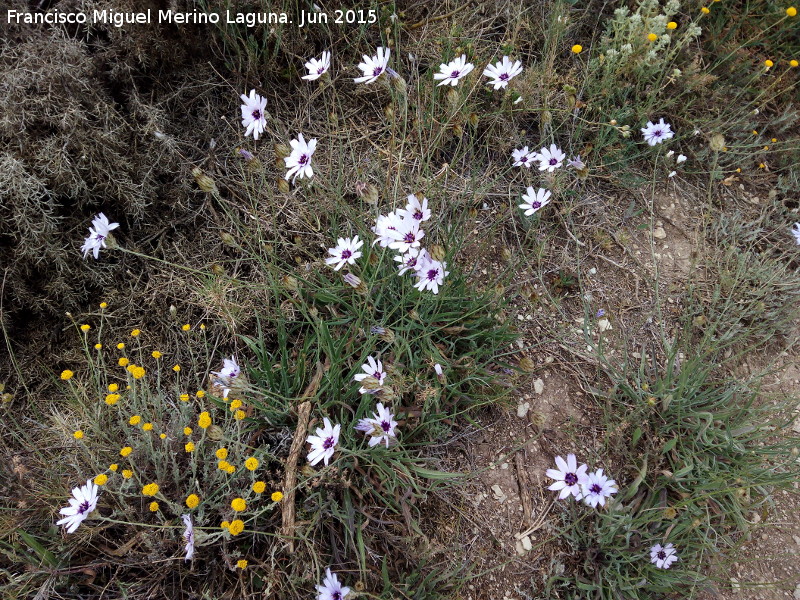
column 119, row 18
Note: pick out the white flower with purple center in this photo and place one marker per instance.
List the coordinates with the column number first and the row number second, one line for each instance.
column 655, row 133
column 452, row 72
column 663, row 556
column 384, row 225
column 597, row 487
column 374, row 66
column 372, row 368
column 299, row 161
column 406, row 234
column 502, row 72
column 410, row 260
column 82, row 503
column 431, row 274
column 98, row 233
column 569, row 477
column 380, row 427
column 415, row 209
column 317, row 68
column 225, row 376
column 796, row 233
column 323, row 445
column 254, row 117
column 523, row 157
column 188, row 535
column 346, row 252
column 550, row 159
column 534, row 200
column 331, row 589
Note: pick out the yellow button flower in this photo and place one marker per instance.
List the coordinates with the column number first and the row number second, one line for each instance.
column 259, row 487
column 192, row 500
column 98, row 346
column 652, row 37
column 768, row 63
column 705, row 10
column 791, row 11
column 225, row 524
column 577, row 49
column 78, row 435
column 113, row 467
column 200, row 394
column 186, row 327
column 101, row 479
column 189, row 447
column 135, row 420
column 156, row 354
column 184, row 397
column 221, row 453
column 236, row 527
column 672, row 25
column 113, row 387
column 123, row 362
column 66, row 374
column 112, row 399
column 135, row 333
column 242, row 564
column 277, row 496
column 238, row 504
column 204, row 420
column 151, row 489
column 230, row 469
column 239, row 415
column 85, row 327
column 153, row 507
column 121, row 346
column 125, row 451
column 793, row 63
column 127, row 473
column 251, row 463
column 235, row 403
column 147, row 427
column 177, row 368
column 103, row 305
column 163, row 436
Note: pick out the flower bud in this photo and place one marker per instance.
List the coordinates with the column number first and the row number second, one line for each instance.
column 370, row 384
column 526, row 364
column 458, row 130
column 204, row 182
column 453, row 97
column 217, row 269
column 215, row 433
column 283, row 186
column 282, row 151
column 368, row 192
column 389, row 112
column 473, row 119
column 227, row 239
column 437, row 252
column 387, row 335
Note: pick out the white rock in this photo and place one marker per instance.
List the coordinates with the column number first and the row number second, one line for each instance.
column 538, row 386
column 526, row 543
column 604, row 325
column 522, row 409
column 659, row 233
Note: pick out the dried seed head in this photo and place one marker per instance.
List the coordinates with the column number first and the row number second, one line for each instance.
column 217, row 269
column 283, row 186
column 290, row 283
column 717, row 142
column 370, row 383
column 227, row 239
column 437, row 252
column 506, row 254
column 473, row 119
column 389, row 112
column 527, row 365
